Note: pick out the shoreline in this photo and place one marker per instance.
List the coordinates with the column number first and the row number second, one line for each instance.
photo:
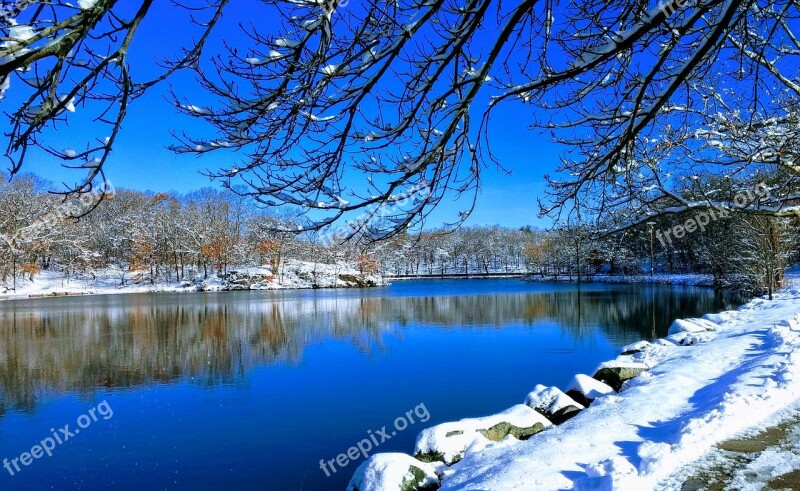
column 165, row 289
column 294, row 275
column 651, row 412
column 683, row 279
column 95, row 287
column 454, row 276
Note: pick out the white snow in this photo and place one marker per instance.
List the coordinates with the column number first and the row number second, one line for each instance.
column 286, row 43
column 70, row 104
column 330, row 70
column 19, row 33
column 691, row 398
column 202, row 111
column 5, row 84
column 622, row 362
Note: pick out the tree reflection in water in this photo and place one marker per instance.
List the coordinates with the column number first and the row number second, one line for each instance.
column 81, row 343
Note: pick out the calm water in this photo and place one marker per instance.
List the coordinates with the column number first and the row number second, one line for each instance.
column 249, row 390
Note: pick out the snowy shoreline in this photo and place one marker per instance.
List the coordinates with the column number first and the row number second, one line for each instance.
column 708, row 381
column 293, row 275
column 684, row 279
column 296, row 275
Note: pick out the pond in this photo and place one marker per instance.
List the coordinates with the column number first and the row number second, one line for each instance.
column 250, row 390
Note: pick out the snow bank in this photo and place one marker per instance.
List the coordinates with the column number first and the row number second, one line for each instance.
column 450, row 442
column 691, row 398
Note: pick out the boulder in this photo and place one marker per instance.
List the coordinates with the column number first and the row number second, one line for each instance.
column 586, row 389
column 690, row 339
column 635, row 347
column 449, row 442
column 352, row 280
column 692, row 326
column 394, row 472
column 615, row 373
column 553, row 403
column 720, row 317
column 664, row 342
column 246, row 279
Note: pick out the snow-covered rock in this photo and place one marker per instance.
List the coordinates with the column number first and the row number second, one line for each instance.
column 635, row 347
column 721, row 317
column 553, row 403
column 692, row 326
column 393, row 472
column 298, row 274
column 664, row 342
column 690, row 339
column 585, row 389
column 450, row 442
column 614, row 373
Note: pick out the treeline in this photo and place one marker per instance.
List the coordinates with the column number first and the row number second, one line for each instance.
column 740, row 251
column 468, row 250
column 144, row 237
column 149, row 237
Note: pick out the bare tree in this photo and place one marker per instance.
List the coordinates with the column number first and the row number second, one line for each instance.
column 57, row 58
column 354, row 109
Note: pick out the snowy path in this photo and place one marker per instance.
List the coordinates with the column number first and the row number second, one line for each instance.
column 769, row 459
column 691, row 399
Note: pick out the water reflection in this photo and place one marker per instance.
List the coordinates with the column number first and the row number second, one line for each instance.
column 78, row 344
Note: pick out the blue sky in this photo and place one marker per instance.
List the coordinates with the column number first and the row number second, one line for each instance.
column 141, row 161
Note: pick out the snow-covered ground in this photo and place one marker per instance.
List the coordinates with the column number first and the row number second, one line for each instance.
column 761, row 459
column 705, row 383
column 293, row 274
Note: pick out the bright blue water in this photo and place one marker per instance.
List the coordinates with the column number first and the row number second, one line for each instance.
column 249, row 390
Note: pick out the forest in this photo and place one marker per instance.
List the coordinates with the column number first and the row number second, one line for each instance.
column 154, row 238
